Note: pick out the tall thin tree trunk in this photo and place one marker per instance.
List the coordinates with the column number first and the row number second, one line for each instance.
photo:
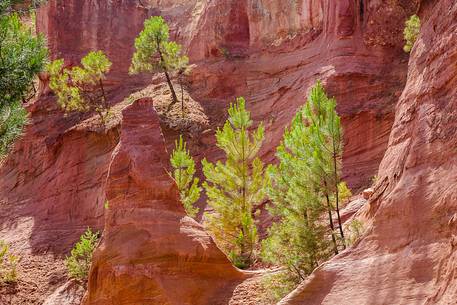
column 172, row 89
column 182, row 97
column 332, row 227
column 337, row 197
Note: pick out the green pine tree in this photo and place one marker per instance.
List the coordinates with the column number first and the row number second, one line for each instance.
column 82, row 88
column 325, row 142
column 156, row 54
column 298, row 240
column 183, row 174
column 305, row 187
column 22, row 57
column 411, row 32
column 236, row 187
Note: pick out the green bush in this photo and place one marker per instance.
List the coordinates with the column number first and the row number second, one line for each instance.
column 8, row 263
column 78, row 263
column 13, row 117
column 356, row 229
column 411, row 32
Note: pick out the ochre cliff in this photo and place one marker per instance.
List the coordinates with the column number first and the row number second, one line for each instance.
column 268, row 51
column 408, row 254
column 151, row 252
column 54, row 183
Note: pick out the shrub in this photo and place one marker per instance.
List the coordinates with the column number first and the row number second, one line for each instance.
column 183, row 174
column 8, row 263
column 411, row 32
column 356, row 229
column 13, row 118
column 80, row 259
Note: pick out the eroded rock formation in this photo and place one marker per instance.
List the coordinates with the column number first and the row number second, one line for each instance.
column 408, row 254
column 53, row 185
column 151, row 253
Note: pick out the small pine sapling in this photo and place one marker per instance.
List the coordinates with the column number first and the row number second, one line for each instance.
column 411, row 32
column 80, row 259
column 156, row 54
column 183, row 174
column 82, row 88
column 236, row 187
column 8, row 264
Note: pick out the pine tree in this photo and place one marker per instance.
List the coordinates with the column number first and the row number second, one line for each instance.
column 22, row 57
column 236, row 187
column 325, row 142
column 155, row 53
column 81, row 88
column 304, row 187
column 183, row 174
column 297, row 240
column 411, row 32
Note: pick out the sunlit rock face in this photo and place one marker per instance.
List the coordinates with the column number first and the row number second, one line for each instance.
column 407, row 255
column 151, row 251
column 54, row 184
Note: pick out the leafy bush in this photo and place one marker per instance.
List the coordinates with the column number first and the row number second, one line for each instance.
column 13, row 117
column 411, row 32
column 8, row 263
column 78, row 263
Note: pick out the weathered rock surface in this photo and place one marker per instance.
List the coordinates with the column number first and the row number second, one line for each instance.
column 70, row 293
column 268, row 51
column 151, row 253
column 408, row 255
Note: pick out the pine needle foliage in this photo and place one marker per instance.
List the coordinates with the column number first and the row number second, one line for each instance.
column 305, row 188
column 155, row 53
column 22, row 57
column 8, row 264
column 325, row 144
column 81, row 88
column 183, row 174
column 236, row 187
column 13, row 118
column 411, row 32
column 80, row 259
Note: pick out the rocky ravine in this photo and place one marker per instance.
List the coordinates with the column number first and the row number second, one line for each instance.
column 408, row 255
column 54, row 184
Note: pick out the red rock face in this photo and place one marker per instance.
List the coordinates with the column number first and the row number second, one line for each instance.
column 51, row 189
column 333, row 41
column 53, row 185
column 270, row 52
column 151, row 253
column 408, row 255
